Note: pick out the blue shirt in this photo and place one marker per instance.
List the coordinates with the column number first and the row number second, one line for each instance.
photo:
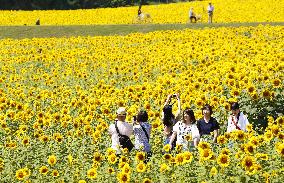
column 206, row 128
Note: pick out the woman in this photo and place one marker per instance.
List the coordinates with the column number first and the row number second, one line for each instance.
column 184, row 129
column 169, row 119
column 142, row 131
column 208, row 125
column 237, row 121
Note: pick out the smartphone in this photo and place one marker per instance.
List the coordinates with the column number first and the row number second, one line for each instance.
column 134, row 118
column 174, row 95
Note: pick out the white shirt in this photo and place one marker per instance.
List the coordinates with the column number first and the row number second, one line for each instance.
column 210, row 8
column 141, row 139
column 183, row 130
column 124, row 128
column 190, row 13
column 241, row 123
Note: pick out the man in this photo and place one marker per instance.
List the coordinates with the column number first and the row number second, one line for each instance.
column 123, row 127
column 237, row 121
column 210, row 10
column 192, row 16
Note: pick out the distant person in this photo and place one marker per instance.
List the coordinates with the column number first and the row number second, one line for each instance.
column 237, row 121
column 192, row 16
column 210, row 10
column 38, row 22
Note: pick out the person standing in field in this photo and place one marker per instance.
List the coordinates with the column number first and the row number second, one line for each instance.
column 210, row 10
column 208, row 125
column 120, row 128
column 192, row 16
column 186, row 131
column 237, row 121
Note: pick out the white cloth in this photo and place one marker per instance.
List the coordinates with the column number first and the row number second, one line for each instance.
column 191, row 13
column 210, row 8
column 124, row 129
column 141, row 139
column 184, row 130
column 241, row 123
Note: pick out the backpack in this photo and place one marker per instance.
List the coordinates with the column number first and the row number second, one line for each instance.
column 124, row 140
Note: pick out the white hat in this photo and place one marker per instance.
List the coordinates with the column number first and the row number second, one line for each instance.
column 121, row 111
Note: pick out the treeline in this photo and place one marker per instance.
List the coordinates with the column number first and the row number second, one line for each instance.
column 72, row 4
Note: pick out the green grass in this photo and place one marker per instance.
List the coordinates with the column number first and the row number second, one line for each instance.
column 21, row 32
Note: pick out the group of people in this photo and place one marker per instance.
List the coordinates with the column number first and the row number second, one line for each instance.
column 193, row 17
column 181, row 129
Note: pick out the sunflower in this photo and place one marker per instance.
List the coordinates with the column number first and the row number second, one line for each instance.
column 167, row 156
column 82, row 181
column 266, row 94
column 20, row 174
column 123, row 159
column 43, row 170
column 178, row 147
column 123, row 177
column 240, row 135
column 112, row 159
column 26, row 141
column 225, row 151
column 92, row 173
column 205, row 154
column 251, row 89
column 52, row 160
column 125, row 151
column 268, row 136
column 276, row 83
column 121, row 164
column 203, row 145
column 110, row 170
column 140, row 156
column 249, row 148
column 280, row 149
column 213, row 171
column 254, row 141
column 55, row 173
column 280, row 120
column 97, row 157
column 164, row 167
column 110, row 151
column 248, row 162
column 249, row 128
column 223, row 160
column 179, row 159
column 141, row 167
column 275, row 129
column 187, row 157
column 254, row 95
column 126, row 168
column 221, row 139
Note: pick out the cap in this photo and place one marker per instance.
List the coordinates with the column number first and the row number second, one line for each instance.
column 121, row 111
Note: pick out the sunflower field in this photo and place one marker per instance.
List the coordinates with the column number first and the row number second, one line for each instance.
column 225, row 12
column 58, row 96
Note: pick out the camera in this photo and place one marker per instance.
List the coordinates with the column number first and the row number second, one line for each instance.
column 134, row 118
column 174, row 95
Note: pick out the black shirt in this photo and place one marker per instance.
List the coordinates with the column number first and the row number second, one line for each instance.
column 205, row 128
